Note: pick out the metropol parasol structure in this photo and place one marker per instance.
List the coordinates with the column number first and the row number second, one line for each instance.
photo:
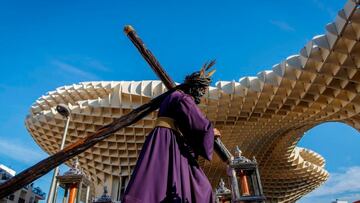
column 265, row 115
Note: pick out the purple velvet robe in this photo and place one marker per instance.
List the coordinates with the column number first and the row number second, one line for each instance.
column 167, row 169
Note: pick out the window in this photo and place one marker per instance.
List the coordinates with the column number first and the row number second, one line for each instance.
column 11, row 197
column 21, row 200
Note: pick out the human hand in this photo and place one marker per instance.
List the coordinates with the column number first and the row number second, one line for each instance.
column 217, row 133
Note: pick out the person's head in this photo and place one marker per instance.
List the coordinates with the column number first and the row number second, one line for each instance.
column 197, row 83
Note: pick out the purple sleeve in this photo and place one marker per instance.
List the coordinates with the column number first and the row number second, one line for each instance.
column 196, row 128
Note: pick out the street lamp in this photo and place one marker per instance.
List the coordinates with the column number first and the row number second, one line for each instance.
column 63, row 110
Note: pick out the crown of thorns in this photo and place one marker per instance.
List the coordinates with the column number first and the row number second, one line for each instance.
column 202, row 77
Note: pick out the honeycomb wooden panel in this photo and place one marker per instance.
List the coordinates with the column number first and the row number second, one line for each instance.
column 265, row 115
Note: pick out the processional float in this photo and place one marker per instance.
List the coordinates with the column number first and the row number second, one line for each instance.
column 240, row 169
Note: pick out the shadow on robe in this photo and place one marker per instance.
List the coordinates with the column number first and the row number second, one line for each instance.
column 186, row 151
column 173, row 197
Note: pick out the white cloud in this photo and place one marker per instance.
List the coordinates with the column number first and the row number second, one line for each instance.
column 20, row 152
column 341, row 182
column 95, row 64
column 350, row 197
column 70, row 69
column 282, row 25
column 343, row 186
column 323, row 7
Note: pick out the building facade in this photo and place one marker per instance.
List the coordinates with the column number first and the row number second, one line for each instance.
column 27, row 194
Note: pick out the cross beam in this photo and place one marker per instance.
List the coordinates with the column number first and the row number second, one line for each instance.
column 219, row 147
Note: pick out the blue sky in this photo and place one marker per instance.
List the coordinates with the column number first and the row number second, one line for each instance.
column 47, row 44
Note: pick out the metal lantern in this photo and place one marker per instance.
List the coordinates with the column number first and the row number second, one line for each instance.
column 104, row 198
column 74, row 182
column 223, row 194
column 245, row 179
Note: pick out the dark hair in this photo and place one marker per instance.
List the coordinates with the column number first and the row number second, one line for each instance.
column 196, row 79
column 195, row 83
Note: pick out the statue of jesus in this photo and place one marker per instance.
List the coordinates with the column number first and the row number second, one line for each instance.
column 167, row 170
